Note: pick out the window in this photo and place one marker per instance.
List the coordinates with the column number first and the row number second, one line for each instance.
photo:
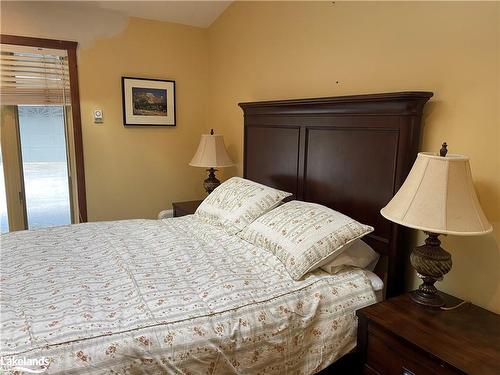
column 41, row 134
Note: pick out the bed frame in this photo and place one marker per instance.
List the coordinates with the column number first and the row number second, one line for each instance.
column 349, row 153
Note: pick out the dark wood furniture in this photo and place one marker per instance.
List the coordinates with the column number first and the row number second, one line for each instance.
column 185, row 208
column 398, row 337
column 350, row 153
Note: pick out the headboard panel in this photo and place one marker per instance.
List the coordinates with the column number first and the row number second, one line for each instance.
column 350, row 153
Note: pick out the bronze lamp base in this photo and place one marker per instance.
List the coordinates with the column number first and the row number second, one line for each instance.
column 431, row 263
column 211, row 182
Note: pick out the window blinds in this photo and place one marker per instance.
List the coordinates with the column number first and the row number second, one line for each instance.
column 32, row 75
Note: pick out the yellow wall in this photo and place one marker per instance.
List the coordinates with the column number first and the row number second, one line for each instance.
column 261, row 51
column 135, row 172
column 130, row 172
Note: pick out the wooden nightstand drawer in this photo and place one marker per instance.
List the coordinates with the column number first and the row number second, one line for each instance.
column 399, row 337
column 185, row 208
column 367, row 370
column 390, row 356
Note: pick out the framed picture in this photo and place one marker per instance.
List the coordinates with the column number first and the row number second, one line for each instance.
column 148, row 102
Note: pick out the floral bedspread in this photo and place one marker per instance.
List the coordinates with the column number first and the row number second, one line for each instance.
column 173, row 296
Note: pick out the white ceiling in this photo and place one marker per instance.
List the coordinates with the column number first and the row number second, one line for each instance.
column 194, row 13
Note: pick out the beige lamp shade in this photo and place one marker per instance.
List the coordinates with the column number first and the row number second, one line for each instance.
column 211, row 153
column 438, row 196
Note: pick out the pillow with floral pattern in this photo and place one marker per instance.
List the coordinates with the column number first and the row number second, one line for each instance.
column 237, row 202
column 304, row 236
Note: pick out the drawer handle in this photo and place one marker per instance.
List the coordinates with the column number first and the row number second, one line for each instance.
column 405, row 371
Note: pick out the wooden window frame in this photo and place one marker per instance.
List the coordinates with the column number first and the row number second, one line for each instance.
column 70, row 48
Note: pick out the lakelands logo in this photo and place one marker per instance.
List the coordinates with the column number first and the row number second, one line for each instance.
column 24, row 365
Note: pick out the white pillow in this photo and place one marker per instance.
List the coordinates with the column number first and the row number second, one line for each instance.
column 304, row 236
column 237, row 202
column 358, row 254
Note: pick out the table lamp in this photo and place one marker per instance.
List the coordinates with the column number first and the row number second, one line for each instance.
column 211, row 154
column 437, row 197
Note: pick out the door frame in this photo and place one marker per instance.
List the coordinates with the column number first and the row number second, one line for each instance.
column 13, row 169
column 70, row 48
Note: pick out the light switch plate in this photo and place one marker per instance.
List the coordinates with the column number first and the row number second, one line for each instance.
column 98, row 116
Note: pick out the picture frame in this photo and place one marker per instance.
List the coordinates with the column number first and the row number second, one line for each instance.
column 148, row 102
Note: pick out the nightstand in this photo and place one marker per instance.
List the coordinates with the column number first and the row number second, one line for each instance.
column 185, row 208
column 399, row 337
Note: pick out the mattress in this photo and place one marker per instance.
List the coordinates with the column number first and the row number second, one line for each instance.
column 168, row 296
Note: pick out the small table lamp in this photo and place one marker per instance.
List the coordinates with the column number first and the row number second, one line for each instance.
column 437, row 197
column 211, row 154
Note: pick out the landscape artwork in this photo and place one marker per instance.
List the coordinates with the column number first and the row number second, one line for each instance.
column 148, row 102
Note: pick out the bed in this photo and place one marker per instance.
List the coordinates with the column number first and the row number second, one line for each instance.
column 182, row 296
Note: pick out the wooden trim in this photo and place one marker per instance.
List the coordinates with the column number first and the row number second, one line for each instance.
column 70, row 47
column 386, row 104
column 363, row 98
column 77, row 134
column 37, row 42
column 13, row 169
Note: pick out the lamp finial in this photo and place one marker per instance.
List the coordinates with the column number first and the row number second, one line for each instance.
column 211, row 131
column 444, row 150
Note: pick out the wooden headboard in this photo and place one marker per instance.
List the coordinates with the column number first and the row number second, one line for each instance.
column 349, row 153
